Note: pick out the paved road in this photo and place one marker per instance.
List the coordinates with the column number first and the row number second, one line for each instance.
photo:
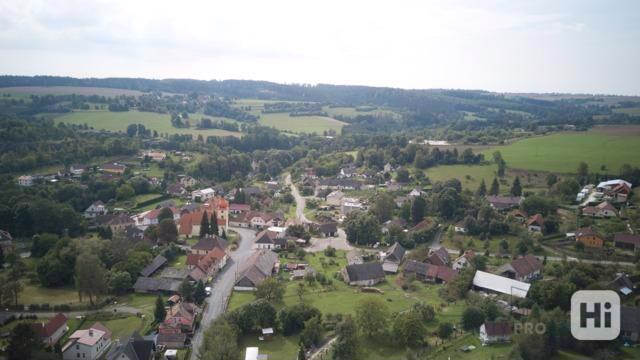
column 223, row 286
column 300, row 202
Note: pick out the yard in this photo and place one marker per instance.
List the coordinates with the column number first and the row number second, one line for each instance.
column 118, row 121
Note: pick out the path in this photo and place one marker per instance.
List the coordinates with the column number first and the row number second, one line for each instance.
column 323, row 350
column 300, row 202
column 222, row 286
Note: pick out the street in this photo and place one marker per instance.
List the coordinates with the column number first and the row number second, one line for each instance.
column 222, row 286
column 300, row 202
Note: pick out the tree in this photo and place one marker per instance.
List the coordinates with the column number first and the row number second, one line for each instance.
column 402, row 175
column 371, row 316
column 187, row 290
column 346, row 345
column 119, row 282
column 199, row 293
column 383, row 207
column 495, row 187
column 409, row 329
column 159, row 313
column 312, row 332
column 165, row 213
column 301, row 291
column 220, row 342
column 292, row 318
column 418, row 208
column 502, row 166
column 482, row 189
column 583, row 172
column 10, row 288
column 224, row 234
column 23, row 341
column 167, row 231
column 516, row 188
column 536, row 204
column 472, row 318
column 362, row 228
column 90, row 276
column 301, row 353
column 445, row 330
column 204, row 225
column 552, row 179
column 271, row 290
column 125, row 192
column 214, row 224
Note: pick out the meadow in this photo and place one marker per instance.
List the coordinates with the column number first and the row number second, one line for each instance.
column 472, row 175
column 604, row 149
column 118, row 121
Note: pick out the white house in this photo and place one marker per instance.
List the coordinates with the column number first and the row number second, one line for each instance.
column 77, row 170
column 335, row 198
column 350, row 204
column 188, row 181
column 463, row 261
column 203, row 194
column 415, row 192
column 25, row 180
column 88, row 344
column 495, row 332
column 459, row 227
column 95, row 209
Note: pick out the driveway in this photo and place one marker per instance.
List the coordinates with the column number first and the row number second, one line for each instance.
column 222, row 286
column 339, row 242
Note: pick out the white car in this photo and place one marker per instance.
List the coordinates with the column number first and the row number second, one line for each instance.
column 207, row 290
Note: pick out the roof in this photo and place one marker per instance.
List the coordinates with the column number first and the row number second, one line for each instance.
column 622, row 283
column 500, row 284
column 87, row 337
column 367, row 271
column 504, row 202
column 328, row 227
column 45, row 330
column 171, row 338
column 536, row 220
column 136, row 348
column 440, row 257
column 606, row 206
column 526, row 265
column 497, row 328
column 586, row 231
column 627, row 238
column 424, row 224
column 613, row 183
column 395, row 253
column 432, row 271
column 156, row 284
column 240, row 207
column 518, row 213
column 210, row 242
column 258, row 267
column 152, row 267
column 5, row 236
column 630, row 319
column 101, row 327
column 266, row 237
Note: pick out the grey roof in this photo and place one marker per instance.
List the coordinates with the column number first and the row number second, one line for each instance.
column 367, row 271
column 155, row 264
column 630, row 319
column 156, row 284
column 395, row 253
column 417, row 267
column 210, row 242
column 258, row 267
column 329, row 227
column 136, row 348
column 175, row 273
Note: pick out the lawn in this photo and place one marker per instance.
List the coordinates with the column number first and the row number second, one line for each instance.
column 609, row 146
column 118, row 121
column 301, row 124
column 143, row 302
column 451, row 350
column 279, row 347
column 32, row 294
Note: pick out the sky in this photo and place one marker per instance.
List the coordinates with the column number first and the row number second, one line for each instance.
column 567, row 46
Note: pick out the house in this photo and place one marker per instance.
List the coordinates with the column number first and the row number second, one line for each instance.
column 622, row 284
column 180, row 317
column 459, row 227
column 203, row 195
column 440, row 257
column 626, row 241
column 135, row 348
column 504, row 202
column 500, row 284
column 95, row 209
column 335, row 198
column 208, row 243
column 602, row 210
column 525, row 268
column 350, row 204
column 429, row 272
column 269, row 239
column 155, row 264
column 339, row 184
column 25, row 180
column 589, row 237
column 260, row 265
column 220, row 206
column 151, row 217
column 188, row 181
column 415, row 192
column 176, row 190
column 519, row 215
column 113, row 168
column 367, row 274
column 51, row 331
column 463, row 261
column 207, row 264
column 328, row 229
column 347, row 172
column 621, row 192
column 425, row 224
column 171, row 340
column 189, row 224
column 113, row 221
column 611, row 184
column 630, row 324
column 77, row 170
column 492, row 332
column 239, row 208
column 393, row 258
column 90, row 343
column 260, row 220
column 535, row 223
column 154, row 285
column 388, row 168
column 6, row 242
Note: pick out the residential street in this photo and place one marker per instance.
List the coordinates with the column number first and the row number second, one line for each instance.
column 222, row 286
column 300, row 202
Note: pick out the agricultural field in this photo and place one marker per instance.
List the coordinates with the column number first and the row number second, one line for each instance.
column 301, row 124
column 604, row 148
column 352, row 112
column 118, row 121
column 67, row 90
column 472, row 175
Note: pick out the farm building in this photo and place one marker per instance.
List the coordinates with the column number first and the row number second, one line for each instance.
column 367, row 274
column 499, row 284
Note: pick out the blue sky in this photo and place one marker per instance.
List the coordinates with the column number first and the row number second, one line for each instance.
column 504, row 46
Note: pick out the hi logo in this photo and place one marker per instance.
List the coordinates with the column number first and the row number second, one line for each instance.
column 595, row 315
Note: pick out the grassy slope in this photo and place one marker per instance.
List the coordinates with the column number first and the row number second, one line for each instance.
column 306, row 124
column 118, row 121
column 563, row 152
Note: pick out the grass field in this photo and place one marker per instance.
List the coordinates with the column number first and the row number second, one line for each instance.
column 611, row 146
column 118, row 121
column 68, row 90
column 352, row 112
column 301, row 124
column 32, row 294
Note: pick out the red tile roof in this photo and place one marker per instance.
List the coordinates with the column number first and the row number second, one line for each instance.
column 48, row 329
column 535, row 220
column 526, row 265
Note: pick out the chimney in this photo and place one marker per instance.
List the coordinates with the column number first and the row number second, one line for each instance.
column 90, row 332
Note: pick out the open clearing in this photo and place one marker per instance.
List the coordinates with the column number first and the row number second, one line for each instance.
column 118, row 121
column 301, row 124
column 68, row 90
column 611, row 146
column 471, row 176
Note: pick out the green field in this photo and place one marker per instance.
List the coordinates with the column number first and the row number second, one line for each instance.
column 629, row 111
column 352, row 112
column 301, row 124
column 68, row 90
column 469, row 175
column 562, row 152
column 118, row 121
column 40, row 295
